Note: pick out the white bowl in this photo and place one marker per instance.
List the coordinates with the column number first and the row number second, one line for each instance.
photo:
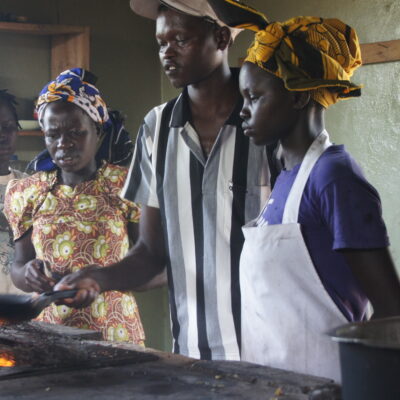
column 29, row 125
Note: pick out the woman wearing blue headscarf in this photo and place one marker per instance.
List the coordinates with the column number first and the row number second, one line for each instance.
column 115, row 144
column 69, row 215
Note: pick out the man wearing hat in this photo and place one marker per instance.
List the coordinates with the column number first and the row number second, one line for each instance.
column 198, row 178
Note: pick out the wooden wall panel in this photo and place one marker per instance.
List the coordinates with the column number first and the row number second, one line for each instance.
column 68, row 51
column 70, row 45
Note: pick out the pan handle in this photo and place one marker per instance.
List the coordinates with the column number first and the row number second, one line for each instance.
column 60, row 294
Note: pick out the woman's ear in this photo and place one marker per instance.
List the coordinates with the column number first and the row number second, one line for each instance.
column 301, row 99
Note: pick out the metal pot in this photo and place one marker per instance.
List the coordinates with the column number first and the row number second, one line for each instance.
column 370, row 359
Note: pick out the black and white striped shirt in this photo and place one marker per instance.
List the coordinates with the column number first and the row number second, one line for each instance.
column 203, row 203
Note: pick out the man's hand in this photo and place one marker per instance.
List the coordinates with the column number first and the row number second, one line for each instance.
column 35, row 277
column 85, row 282
column 142, row 263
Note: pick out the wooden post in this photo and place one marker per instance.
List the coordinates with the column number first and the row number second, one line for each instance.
column 69, row 51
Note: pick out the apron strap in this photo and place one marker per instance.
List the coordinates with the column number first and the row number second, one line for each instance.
column 292, row 206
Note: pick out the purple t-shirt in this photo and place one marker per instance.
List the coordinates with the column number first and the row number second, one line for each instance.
column 339, row 210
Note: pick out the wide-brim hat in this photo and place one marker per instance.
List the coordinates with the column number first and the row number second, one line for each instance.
column 196, row 8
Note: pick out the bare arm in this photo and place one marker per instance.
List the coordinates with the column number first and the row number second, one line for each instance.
column 27, row 271
column 160, row 279
column 142, row 263
column 376, row 274
column 133, row 232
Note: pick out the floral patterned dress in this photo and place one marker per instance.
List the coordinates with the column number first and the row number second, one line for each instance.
column 76, row 227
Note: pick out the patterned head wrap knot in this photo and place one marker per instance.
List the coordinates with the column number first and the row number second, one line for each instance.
column 307, row 53
column 75, row 86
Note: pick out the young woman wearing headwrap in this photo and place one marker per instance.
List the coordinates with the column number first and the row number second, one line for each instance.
column 70, row 216
column 319, row 250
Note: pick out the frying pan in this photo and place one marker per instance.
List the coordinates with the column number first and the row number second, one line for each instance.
column 16, row 308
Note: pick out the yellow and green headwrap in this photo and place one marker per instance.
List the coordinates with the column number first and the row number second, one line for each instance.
column 307, row 53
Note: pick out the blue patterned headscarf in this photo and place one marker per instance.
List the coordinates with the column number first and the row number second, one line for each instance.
column 77, row 86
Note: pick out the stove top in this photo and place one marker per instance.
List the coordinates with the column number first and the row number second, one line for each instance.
column 33, row 348
column 54, row 362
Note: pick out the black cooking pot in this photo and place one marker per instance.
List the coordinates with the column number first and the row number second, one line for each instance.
column 370, row 359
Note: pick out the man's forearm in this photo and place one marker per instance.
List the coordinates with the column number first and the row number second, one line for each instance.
column 136, row 269
column 159, row 281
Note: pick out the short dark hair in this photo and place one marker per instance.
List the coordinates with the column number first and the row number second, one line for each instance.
column 9, row 100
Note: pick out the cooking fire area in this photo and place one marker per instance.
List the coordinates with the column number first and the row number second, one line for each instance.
column 44, row 361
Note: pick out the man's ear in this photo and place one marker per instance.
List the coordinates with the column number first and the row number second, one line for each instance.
column 301, row 99
column 223, row 37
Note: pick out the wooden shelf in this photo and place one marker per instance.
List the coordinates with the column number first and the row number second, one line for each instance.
column 70, row 45
column 41, row 29
column 36, row 132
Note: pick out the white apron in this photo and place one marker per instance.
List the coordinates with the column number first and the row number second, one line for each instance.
column 285, row 307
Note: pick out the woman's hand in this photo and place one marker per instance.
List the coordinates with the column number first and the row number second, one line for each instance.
column 36, row 278
column 85, row 282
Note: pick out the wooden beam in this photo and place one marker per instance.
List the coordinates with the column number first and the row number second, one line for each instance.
column 380, row 52
column 41, row 29
column 37, row 132
column 373, row 53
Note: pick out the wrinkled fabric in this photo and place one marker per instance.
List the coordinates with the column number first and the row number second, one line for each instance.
column 310, row 53
column 72, row 87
